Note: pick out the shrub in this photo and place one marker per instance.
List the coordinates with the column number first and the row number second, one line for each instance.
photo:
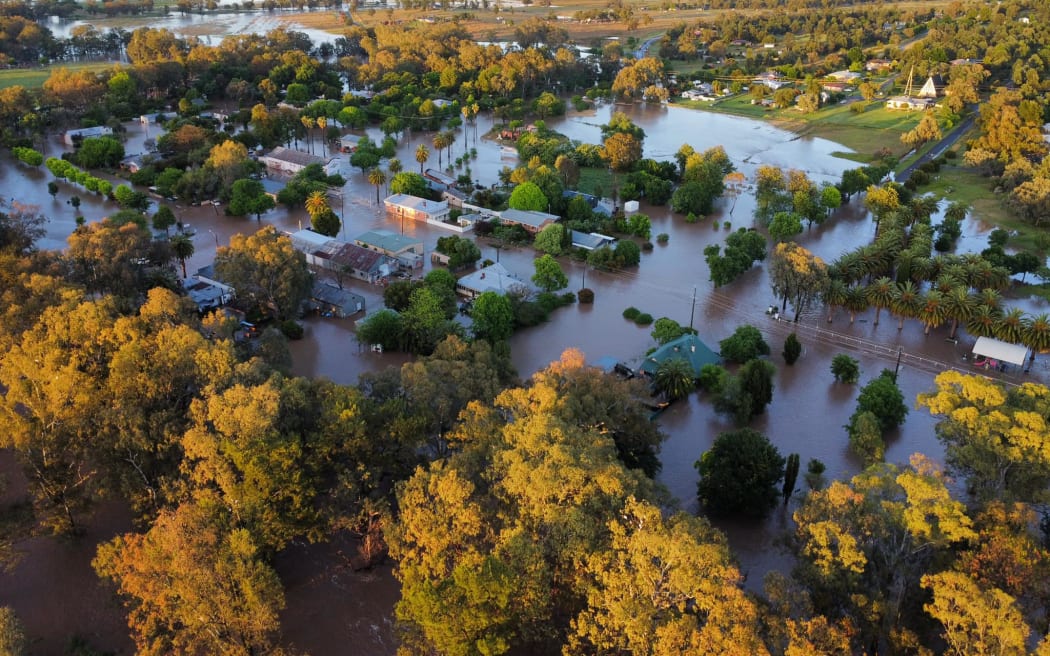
column 292, row 329
column 845, row 369
column 631, row 313
column 662, row 238
column 644, row 319
column 950, row 154
column 792, row 349
column 746, row 343
column 712, row 377
column 815, row 474
column 647, row 245
column 691, row 218
column 585, row 295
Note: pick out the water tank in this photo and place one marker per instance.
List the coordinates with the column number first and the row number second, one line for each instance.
column 630, row 207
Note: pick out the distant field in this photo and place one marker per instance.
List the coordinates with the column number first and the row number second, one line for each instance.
column 34, row 77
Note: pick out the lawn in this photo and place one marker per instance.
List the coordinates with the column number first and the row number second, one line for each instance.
column 34, row 77
column 599, row 182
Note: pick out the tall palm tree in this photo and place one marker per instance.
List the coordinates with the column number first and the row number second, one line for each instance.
column 960, row 305
column 422, row 155
column 922, row 268
column 932, row 310
column 182, row 249
column 982, row 322
column 856, row 301
column 1011, row 326
column 377, row 178
column 316, row 203
column 849, row 267
column 440, row 142
column 309, row 123
column 1037, row 336
column 393, row 165
column 906, row 300
column 450, row 138
column 991, row 299
column 322, row 125
column 834, row 296
column 880, row 295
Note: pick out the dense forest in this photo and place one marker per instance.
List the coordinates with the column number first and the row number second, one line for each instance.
column 522, row 515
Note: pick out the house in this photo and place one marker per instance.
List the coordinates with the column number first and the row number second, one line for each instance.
column 206, row 292
column 325, row 253
column 531, row 220
column 844, row 76
column 438, row 180
column 878, row 65
column 493, row 278
column 441, row 103
column 909, row 103
column 413, row 208
column 688, row 347
column 289, row 161
column 157, row 118
column 131, row 163
column 348, row 143
column 326, row 298
column 933, row 87
column 771, row 79
column 407, row 250
column 834, row 87
column 71, row 137
column 590, row 241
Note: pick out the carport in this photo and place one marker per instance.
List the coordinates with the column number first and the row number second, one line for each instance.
column 994, row 351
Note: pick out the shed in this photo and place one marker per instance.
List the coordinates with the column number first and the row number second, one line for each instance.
column 688, row 347
column 326, row 297
column 999, row 350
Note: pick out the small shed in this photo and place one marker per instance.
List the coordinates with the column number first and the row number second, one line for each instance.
column 1000, row 350
column 328, row 298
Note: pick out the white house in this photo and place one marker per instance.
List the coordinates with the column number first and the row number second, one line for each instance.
column 413, row 208
column 493, row 278
column 288, row 161
column 71, row 136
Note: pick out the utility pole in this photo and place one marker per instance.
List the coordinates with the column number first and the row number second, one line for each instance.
column 898, row 367
column 692, row 309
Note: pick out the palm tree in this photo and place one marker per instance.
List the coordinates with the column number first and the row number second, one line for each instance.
column 322, row 124
column 932, row 310
column 393, row 165
column 1011, row 326
column 422, row 155
column 182, row 249
column 1037, row 336
column 450, row 138
column 922, row 268
column 986, row 276
column 991, row 299
column 850, row 268
column 960, row 306
column 674, row 377
column 316, row 204
column 905, row 303
column 880, row 295
column 377, row 178
column 309, row 123
column 982, row 322
column 440, row 141
column 834, row 296
column 856, row 301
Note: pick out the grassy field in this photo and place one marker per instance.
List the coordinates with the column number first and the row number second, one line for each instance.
column 34, row 77
column 594, row 180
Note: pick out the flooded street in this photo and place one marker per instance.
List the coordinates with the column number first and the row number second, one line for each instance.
column 331, row 607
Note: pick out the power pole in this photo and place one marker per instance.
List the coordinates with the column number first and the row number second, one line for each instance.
column 692, row 309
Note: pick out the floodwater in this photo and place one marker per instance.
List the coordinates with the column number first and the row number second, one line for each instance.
column 331, row 606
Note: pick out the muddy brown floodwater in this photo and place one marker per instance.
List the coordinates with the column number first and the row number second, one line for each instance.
column 331, row 607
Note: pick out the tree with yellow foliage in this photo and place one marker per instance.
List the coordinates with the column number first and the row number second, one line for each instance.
column 797, row 276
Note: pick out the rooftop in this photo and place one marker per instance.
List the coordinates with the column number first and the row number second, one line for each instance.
column 416, row 203
column 493, row 278
column 528, row 217
column 294, row 156
column 688, row 347
column 387, row 240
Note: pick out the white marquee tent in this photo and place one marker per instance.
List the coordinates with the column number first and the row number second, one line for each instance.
column 999, row 350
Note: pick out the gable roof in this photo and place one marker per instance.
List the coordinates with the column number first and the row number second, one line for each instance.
column 297, row 157
column 416, row 203
column 688, row 347
column 528, row 217
column 386, row 240
column 493, row 278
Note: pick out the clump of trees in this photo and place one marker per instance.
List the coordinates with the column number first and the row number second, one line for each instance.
column 743, row 248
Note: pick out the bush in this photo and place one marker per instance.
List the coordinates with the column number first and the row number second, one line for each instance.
column 691, row 218
column 845, row 369
column 644, row 319
column 792, row 349
column 950, row 154
column 746, row 343
column 631, row 313
column 585, row 295
column 292, row 329
column 865, row 437
column 712, row 377
column 647, row 245
column 662, row 238
column 920, row 178
column 815, row 474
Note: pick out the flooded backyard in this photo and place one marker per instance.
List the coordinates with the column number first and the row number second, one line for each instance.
column 330, row 606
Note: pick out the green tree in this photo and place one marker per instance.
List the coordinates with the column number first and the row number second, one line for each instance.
column 377, row 178
column 792, row 349
column 195, row 583
column 845, row 369
column 548, row 276
column 551, row 240
column 422, row 155
column 674, row 378
column 865, row 437
column 790, row 477
column 493, row 317
column 384, row 327
column 249, row 197
column 740, row 474
column 326, row 223
column 99, row 152
column 666, row 330
column 884, row 399
column 528, row 196
column 746, row 343
column 784, row 226
column 266, row 270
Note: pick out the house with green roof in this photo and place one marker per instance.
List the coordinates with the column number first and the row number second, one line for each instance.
column 688, row 347
column 407, row 250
